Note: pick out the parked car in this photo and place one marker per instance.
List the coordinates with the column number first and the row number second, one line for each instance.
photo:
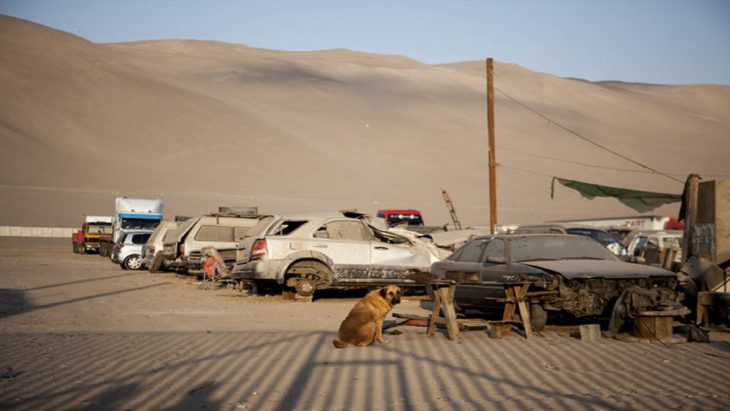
column 651, row 247
column 127, row 252
column 571, row 274
column 152, row 251
column 183, row 246
column 314, row 252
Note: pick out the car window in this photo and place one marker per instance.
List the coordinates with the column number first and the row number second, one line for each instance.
column 139, row 224
column 344, row 230
column 640, row 243
column 140, row 238
column 240, row 232
column 100, row 229
column 471, row 252
column 286, row 227
column 494, row 251
column 214, row 233
column 670, row 242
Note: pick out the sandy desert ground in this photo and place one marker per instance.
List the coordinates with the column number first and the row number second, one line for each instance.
column 83, row 334
column 204, row 124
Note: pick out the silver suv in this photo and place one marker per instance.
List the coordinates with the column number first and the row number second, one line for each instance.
column 127, row 252
column 314, row 252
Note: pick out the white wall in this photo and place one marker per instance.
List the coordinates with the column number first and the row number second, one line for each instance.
column 18, row 231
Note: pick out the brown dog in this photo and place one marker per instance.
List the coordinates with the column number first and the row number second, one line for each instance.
column 364, row 324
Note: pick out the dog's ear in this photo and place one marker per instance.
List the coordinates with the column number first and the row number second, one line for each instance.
column 384, row 292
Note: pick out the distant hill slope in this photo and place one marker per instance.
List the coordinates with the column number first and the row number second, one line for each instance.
column 203, row 124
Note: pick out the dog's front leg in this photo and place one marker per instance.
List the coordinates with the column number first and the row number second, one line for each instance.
column 379, row 332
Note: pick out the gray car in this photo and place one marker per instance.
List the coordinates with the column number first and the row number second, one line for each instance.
column 127, row 252
column 570, row 274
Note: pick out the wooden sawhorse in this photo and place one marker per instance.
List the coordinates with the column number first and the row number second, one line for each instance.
column 443, row 299
column 515, row 298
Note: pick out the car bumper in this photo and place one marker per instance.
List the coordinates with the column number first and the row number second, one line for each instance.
column 259, row 270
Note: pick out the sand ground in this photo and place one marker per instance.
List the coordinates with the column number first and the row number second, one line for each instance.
column 83, row 334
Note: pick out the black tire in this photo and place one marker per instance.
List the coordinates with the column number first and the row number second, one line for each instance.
column 133, row 262
column 538, row 316
column 123, row 266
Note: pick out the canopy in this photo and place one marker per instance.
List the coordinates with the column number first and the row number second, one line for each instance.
column 641, row 201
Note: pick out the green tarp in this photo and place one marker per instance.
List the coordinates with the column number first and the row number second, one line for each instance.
column 641, row 201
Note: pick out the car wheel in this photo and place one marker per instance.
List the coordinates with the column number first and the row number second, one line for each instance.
column 538, row 316
column 133, row 262
column 305, row 287
column 307, row 276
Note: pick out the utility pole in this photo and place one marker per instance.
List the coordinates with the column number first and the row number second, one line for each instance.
column 691, row 195
column 492, row 156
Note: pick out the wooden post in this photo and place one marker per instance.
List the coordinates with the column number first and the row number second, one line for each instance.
column 492, row 156
column 690, row 215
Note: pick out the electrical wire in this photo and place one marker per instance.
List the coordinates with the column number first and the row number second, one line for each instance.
column 582, row 164
column 584, row 138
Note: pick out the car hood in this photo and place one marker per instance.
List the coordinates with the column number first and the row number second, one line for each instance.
column 577, row 269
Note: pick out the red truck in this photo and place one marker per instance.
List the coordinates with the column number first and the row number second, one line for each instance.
column 92, row 231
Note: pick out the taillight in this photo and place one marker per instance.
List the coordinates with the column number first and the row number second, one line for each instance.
column 182, row 249
column 259, row 249
column 151, row 249
column 119, row 246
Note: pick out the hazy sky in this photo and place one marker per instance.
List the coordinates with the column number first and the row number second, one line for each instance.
column 655, row 41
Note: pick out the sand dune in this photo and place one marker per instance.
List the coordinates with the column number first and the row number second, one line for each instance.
column 202, row 124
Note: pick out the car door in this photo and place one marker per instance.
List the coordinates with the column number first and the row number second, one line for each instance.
column 347, row 244
column 484, row 261
column 396, row 259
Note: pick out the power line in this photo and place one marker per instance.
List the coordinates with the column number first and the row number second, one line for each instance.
column 582, row 164
column 582, row 137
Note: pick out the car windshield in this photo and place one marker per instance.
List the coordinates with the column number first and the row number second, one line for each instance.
column 139, row 224
column 557, row 248
column 100, row 228
column 598, row 235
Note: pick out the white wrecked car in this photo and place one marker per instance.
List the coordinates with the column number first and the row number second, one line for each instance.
column 314, row 252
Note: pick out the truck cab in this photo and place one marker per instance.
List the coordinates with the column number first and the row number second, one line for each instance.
column 397, row 217
column 94, row 230
column 132, row 214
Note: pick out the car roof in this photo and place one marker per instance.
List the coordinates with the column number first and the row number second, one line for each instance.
column 530, row 235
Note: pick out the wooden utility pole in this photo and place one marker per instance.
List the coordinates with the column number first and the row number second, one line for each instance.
column 492, row 156
column 690, row 215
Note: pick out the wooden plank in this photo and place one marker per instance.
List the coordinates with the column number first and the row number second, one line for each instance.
column 452, row 326
column 524, row 311
column 436, row 313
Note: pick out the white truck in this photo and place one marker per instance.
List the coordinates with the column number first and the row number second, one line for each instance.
column 132, row 214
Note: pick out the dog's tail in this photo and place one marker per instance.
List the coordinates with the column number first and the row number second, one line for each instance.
column 339, row 344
